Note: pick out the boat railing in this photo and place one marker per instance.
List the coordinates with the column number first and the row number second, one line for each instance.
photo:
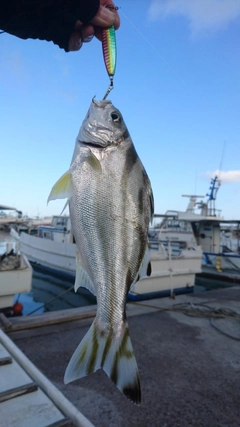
column 165, row 249
column 214, row 212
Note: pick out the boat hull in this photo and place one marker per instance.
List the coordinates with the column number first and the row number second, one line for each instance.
column 15, row 282
column 174, row 274
column 169, row 275
column 53, row 255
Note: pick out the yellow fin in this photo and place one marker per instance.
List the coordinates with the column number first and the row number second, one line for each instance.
column 62, row 189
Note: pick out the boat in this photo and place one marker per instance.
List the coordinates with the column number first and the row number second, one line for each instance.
column 54, row 250
column 210, row 230
column 10, row 216
column 15, row 277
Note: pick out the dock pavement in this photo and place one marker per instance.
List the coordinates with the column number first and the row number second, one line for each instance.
column 187, row 350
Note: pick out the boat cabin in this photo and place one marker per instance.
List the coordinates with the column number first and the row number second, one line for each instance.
column 59, row 230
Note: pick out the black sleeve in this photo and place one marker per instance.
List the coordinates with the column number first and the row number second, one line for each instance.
column 51, row 20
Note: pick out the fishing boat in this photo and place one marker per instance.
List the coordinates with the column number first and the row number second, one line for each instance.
column 54, row 250
column 210, row 230
column 10, row 216
column 13, row 219
column 15, row 276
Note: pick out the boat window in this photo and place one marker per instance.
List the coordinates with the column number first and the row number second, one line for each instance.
column 61, row 221
column 173, row 224
column 47, row 234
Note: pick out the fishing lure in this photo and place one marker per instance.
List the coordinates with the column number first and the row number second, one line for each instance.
column 109, row 52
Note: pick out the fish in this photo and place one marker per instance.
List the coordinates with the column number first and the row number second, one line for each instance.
column 111, row 205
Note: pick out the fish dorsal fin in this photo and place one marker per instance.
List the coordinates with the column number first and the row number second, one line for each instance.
column 82, row 278
column 144, row 270
column 62, row 189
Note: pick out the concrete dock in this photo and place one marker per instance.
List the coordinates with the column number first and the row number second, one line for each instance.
column 187, row 350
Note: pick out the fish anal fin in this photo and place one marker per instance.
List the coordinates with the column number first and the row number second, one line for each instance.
column 62, row 189
column 82, row 279
column 111, row 352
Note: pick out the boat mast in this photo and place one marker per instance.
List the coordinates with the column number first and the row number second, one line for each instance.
column 212, row 196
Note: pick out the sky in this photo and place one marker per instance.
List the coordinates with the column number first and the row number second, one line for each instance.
column 177, row 86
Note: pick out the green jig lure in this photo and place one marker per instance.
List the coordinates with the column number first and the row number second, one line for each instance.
column 109, row 52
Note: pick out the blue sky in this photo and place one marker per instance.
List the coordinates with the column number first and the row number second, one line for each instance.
column 177, row 85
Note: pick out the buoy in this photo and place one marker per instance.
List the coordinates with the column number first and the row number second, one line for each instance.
column 17, row 308
column 218, row 264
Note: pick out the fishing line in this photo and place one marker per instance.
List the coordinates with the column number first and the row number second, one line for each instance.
column 154, row 48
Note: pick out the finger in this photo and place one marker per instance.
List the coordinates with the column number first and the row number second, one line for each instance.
column 110, row 3
column 98, row 33
column 75, row 41
column 105, row 18
column 87, row 33
column 82, row 34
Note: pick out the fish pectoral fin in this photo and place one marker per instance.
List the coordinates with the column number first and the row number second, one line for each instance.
column 92, row 160
column 113, row 353
column 145, row 269
column 82, row 279
column 62, row 189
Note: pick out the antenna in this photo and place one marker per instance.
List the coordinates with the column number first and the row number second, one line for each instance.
column 195, row 190
column 221, row 161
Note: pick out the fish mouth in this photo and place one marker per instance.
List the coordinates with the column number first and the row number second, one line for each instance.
column 102, row 103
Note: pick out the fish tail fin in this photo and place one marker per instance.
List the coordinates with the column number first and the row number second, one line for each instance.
column 111, row 352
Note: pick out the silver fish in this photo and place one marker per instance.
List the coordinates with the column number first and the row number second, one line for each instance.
column 111, row 205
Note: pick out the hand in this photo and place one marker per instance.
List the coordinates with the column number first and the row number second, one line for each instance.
column 103, row 19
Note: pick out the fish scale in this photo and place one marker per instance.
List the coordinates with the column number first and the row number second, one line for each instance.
column 111, row 204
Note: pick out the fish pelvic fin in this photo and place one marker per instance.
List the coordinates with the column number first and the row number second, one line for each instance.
column 111, row 352
column 62, row 189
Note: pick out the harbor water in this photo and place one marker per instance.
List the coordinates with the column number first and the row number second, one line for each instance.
column 51, row 292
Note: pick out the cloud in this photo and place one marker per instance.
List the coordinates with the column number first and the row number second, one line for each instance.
column 228, row 176
column 201, row 14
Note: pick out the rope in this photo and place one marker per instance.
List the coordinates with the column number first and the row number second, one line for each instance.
column 53, row 299
column 201, row 310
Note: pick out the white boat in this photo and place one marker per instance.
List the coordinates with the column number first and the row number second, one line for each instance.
column 54, row 249
column 13, row 219
column 15, row 277
column 15, row 270
column 10, row 216
column 208, row 229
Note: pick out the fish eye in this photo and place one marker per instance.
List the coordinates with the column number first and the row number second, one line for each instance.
column 116, row 118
